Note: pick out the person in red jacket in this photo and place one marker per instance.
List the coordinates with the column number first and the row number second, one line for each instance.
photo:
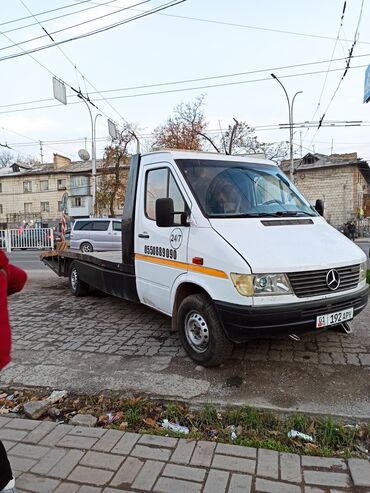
column 12, row 280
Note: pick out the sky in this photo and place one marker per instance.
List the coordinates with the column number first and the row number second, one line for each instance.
column 195, row 39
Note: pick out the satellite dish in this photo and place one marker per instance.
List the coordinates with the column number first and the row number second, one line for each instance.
column 83, row 154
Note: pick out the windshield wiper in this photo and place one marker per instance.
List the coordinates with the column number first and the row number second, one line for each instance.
column 291, row 213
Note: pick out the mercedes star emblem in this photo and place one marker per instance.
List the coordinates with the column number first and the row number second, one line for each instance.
column 333, row 279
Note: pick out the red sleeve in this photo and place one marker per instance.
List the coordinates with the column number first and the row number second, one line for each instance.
column 4, row 323
column 16, row 279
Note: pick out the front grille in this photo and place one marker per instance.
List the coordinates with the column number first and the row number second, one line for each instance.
column 313, row 282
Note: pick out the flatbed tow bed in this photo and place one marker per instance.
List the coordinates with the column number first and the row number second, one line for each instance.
column 101, row 270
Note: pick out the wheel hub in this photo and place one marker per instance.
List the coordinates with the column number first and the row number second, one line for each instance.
column 196, row 331
column 74, row 279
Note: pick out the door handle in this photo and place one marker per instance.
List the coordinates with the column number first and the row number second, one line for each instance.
column 143, row 235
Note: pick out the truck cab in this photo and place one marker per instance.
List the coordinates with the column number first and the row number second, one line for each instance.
column 242, row 241
column 229, row 248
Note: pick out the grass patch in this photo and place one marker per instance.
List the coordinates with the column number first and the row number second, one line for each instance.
column 238, row 425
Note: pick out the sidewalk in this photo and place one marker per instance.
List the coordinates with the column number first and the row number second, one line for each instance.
column 52, row 458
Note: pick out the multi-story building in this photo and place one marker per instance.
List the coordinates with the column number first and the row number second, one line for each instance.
column 342, row 181
column 34, row 195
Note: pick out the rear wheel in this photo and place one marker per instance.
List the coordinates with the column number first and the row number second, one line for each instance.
column 78, row 288
column 201, row 331
column 86, row 247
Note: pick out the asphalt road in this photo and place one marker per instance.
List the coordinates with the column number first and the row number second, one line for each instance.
column 99, row 342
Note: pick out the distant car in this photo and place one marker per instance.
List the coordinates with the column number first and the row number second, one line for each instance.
column 96, row 234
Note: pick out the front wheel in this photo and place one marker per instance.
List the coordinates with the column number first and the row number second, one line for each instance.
column 78, row 288
column 201, row 331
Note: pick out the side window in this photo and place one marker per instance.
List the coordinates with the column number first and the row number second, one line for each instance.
column 100, row 225
column 156, row 188
column 178, row 201
column 83, row 225
column 161, row 184
column 117, row 226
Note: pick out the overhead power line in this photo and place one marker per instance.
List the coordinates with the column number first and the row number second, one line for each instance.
column 348, row 61
column 87, row 99
column 53, row 33
column 169, row 91
column 245, row 26
column 44, row 12
column 95, row 31
column 62, row 16
column 185, row 81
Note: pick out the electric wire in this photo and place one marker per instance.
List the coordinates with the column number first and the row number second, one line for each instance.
column 331, row 59
column 170, row 4
column 104, row 4
column 350, row 56
column 233, row 24
column 69, row 27
column 45, row 12
column 73, row 64
column 171, row 90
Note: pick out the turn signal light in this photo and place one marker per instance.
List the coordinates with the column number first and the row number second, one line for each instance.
column 197, row 260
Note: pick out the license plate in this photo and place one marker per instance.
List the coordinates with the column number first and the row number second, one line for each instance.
column 334, row 318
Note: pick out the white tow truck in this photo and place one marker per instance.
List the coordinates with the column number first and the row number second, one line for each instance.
column 229, row 248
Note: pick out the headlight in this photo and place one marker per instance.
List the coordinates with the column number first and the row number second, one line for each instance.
column 261, row 284
column 363, row 269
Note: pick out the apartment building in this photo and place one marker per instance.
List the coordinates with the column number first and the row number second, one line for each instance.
column 33, row 195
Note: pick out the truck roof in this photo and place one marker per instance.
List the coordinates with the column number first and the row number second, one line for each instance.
column 186, row 154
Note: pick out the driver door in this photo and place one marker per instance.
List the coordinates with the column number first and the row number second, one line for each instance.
column 160, row 252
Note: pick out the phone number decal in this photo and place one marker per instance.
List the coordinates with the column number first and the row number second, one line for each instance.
column 160, row 252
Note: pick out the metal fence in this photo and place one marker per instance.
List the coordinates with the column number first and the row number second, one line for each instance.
column 24, row 239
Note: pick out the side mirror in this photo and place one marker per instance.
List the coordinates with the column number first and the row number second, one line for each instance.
column 164, row 212
column 319, row 206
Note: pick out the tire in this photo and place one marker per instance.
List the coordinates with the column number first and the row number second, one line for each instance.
column 201, row 332
column 77, row 287
column 86, row 247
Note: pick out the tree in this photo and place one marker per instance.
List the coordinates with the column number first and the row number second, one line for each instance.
column 239, row 138
column 6, row 158
column 188, row 129
column 113, row 173
column 277, row 151
column 184, row 129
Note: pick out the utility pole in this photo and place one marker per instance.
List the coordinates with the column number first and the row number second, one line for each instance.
column 41, row 154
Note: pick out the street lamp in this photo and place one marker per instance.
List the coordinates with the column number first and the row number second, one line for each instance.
column 59, row 90
column 93, row 155
column 290, row 108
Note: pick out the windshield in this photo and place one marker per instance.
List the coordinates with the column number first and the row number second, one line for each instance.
column 238, row 189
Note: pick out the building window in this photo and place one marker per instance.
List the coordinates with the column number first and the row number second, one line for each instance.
column 28, row 207
column 45, row 207
column 1, row 208
column 27, row 186
column 44, row 185
column 62, row 184
column 78, row 202
column 1, row 187
column 80, row 185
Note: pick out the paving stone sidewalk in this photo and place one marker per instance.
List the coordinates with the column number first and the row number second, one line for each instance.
column 58, row 458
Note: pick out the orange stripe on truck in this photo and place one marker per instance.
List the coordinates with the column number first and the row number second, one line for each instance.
column 182, row 265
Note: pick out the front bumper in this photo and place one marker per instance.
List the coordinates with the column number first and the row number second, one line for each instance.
column 242, row 323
